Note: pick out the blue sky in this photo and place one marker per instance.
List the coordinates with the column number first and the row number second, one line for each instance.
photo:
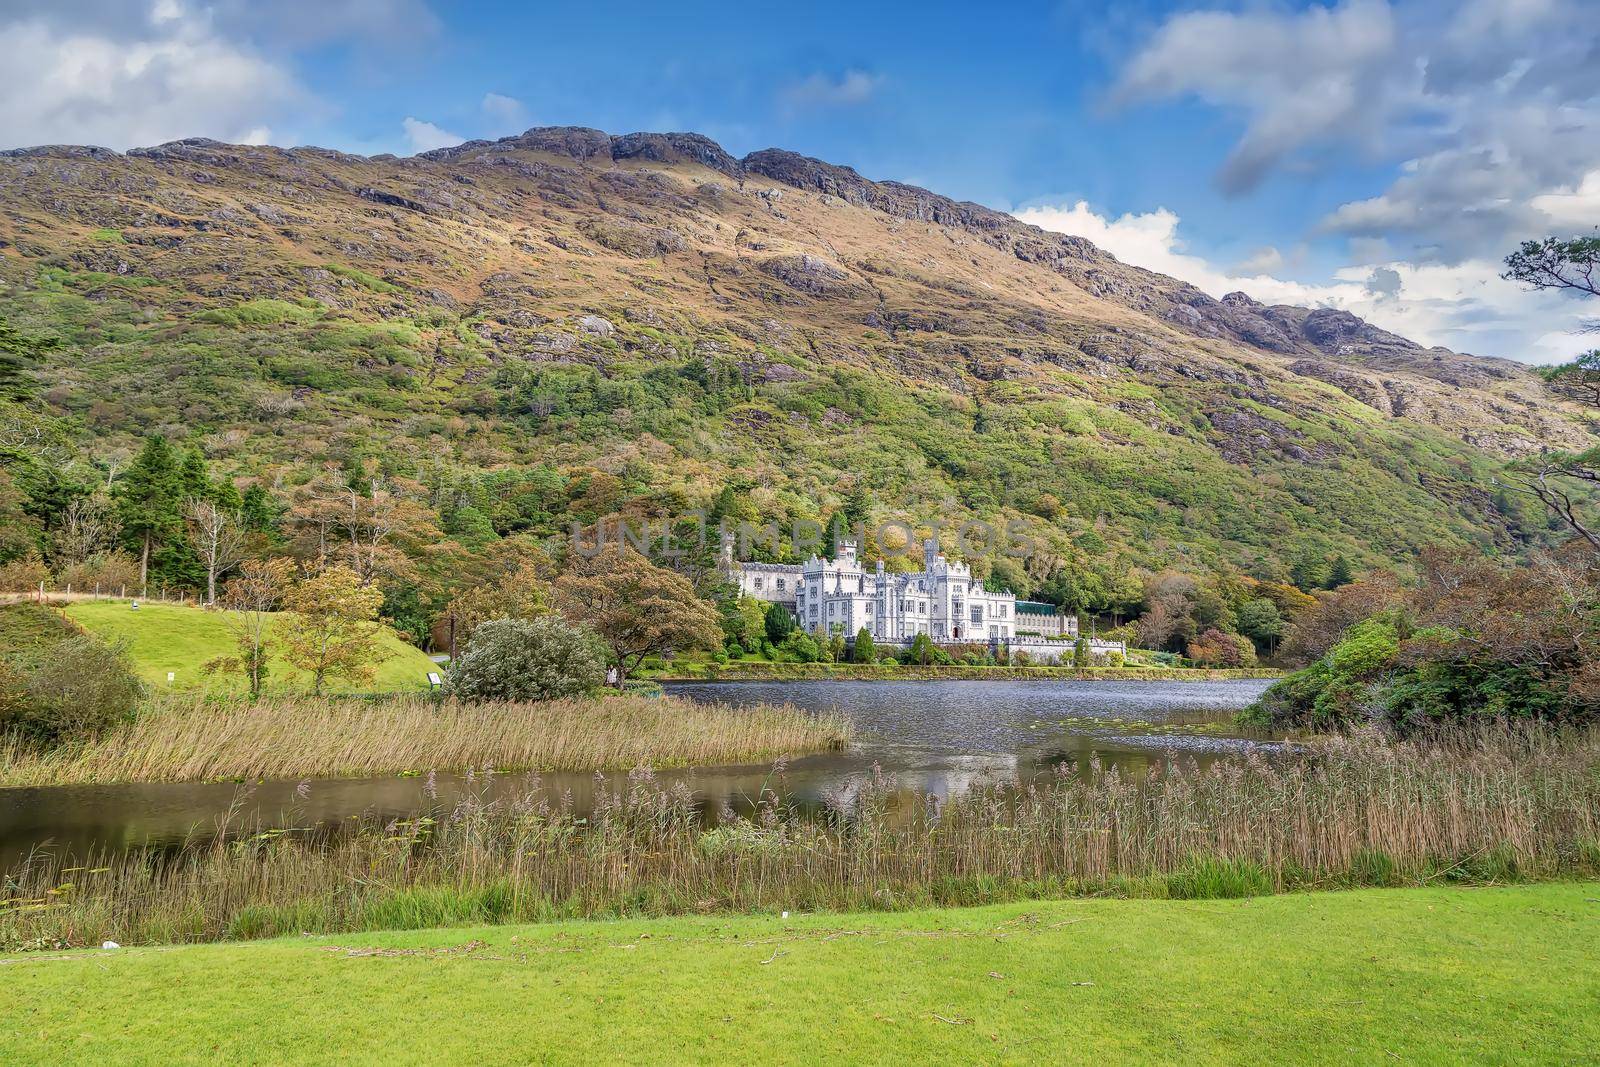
column 1375, row 155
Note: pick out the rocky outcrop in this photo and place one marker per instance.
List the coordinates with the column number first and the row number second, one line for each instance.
column 807, row 273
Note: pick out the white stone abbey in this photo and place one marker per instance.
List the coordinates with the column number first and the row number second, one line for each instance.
column 943, row 600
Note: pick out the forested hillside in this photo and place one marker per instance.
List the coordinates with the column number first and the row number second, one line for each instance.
column 450, row 356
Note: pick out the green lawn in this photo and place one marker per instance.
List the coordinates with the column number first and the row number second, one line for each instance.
column 1508, row 975
column 181, row 639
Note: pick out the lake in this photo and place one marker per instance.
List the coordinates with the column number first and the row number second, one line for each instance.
column 940, row 738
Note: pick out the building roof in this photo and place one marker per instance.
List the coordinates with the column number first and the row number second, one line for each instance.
column 1035, row 607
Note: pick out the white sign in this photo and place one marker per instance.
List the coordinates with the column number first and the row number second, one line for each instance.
column 434, row 679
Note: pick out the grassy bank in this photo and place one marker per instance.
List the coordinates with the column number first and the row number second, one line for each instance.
column 1353, row 813
column 186, row 739
column 180, row 639
column 1423, row 976
column 764, row 671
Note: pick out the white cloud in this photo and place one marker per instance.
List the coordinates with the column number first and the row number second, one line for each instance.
column 124, row 74
column 425, row 136
column 849, row 89
column 1300, row 78
column 1266, row 260
column 1466, row 306
column 505, row 112
column 1575, row 207
column 172, row 78
column 1490, row 109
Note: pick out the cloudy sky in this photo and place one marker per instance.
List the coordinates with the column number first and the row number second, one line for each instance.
column 1376, row 155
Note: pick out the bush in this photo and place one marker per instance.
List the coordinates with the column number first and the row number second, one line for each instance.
column 23, row 575
column 513, row 659
column 80, row 687
column 921, row 651
column 1216, row 648
column 110, row 572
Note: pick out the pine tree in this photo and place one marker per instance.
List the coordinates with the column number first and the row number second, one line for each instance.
column 1339, row 573
column 149, row 500
column 259, row 513
column 1309, row 571
column 779, row 624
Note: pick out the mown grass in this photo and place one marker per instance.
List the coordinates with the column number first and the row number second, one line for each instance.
column 1436, row 975
column 181, row 639
column 1486, row 810
column 190, row 739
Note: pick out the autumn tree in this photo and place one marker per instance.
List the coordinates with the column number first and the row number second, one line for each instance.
column 330, row 630
column 516, row 594
column 1214, row 648
column 252, row 599
column 637, row 608
column 1318, row 627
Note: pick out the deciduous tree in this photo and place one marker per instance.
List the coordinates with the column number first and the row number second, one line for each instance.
column 330, row 629
column 252, row 598
column 217, row 537
column 637, row 608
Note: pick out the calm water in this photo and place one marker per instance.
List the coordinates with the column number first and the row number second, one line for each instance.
column 942, row 738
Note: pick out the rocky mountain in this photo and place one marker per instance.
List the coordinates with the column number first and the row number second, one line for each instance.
column 648, row 313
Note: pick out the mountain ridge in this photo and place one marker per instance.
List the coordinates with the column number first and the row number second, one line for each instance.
column 1237, row 315
column 503, row 303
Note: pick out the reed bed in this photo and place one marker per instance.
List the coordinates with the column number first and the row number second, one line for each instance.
column 1493, row 807
column 185, row 740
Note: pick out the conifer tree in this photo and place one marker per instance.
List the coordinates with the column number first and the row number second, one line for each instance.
column 149, row 499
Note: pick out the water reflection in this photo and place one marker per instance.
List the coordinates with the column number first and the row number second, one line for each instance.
column 938, row 738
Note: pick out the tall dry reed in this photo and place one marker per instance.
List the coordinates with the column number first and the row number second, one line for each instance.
column 178, row 739
column 1491, row 807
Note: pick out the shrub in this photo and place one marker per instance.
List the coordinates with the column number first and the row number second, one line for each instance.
column 512, row 659
column 800, row 647
column 80, row 687
column 864, row 650
column 23, row 575
column 1217, row 648
column 110, row 572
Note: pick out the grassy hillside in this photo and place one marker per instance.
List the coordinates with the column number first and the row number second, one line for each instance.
column 27, row 631
column 523, row 335
column 1416, row 976
column 181, row 639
